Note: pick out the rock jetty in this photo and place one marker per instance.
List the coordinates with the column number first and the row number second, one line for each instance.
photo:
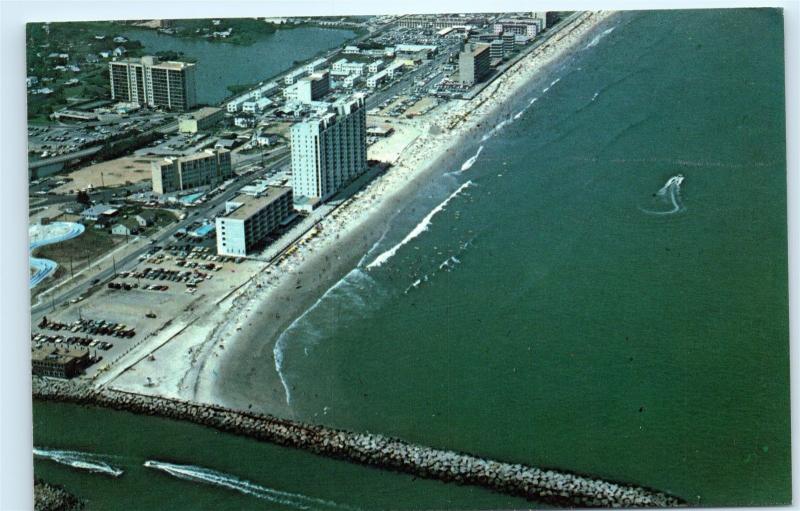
column 47, row 497
column 553, row 487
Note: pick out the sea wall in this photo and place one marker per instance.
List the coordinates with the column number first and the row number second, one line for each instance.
column 547, row 486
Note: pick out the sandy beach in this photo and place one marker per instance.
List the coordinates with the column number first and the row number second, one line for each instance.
column 217, row 365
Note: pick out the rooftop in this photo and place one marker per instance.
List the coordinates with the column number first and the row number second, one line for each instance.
column 251, row 205
column 97, row 210
column 208, row 153
column 154, row 62
column 57, row 354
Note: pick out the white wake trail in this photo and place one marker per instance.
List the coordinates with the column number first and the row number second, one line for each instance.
column 80, row 460
column 671, row 192
column 417, row 230
column 212, row 477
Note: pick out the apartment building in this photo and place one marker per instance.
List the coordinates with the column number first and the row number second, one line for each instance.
column 473, row 63
column 206, row 168
column 146, row 81
column 328, row 151
column 249, row 219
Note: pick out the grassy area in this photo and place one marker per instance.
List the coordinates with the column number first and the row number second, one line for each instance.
column 245, row 31
column 77, row 40
column 90, row 245
column 163, row 218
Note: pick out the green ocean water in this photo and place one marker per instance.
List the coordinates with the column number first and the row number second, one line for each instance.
column 607, row 295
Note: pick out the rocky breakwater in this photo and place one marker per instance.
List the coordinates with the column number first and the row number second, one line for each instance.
column 548, row 486
column 47, row 497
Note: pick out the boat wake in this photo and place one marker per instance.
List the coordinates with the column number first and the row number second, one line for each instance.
column 80, row 460
column 471, row 161
column 599, row 37
column 417, row 230
column 671, row 194
column 212, row 477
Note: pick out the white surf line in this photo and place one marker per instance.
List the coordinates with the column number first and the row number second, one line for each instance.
column 525, row 108
column 599, row 37
column 212, row 477
column 471, row 161
column 417, row 230
column 79, row 460
column 280, row 345
column 495, row 129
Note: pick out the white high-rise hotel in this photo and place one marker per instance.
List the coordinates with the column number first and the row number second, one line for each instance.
column 328, row 151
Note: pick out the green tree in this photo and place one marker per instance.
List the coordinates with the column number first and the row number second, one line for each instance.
column 83, row 197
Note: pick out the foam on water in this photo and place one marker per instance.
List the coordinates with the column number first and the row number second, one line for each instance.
column 671, row 193
column 212, row 477
column 505, row 122
column 447, row 265
column 502, row 124
column 354, row 278
column 599, row 37
column 471, row 161
column 80, row 460
column 421, row 227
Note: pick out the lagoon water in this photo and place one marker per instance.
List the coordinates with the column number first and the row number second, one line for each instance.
column 222, row 64
column 602, row 289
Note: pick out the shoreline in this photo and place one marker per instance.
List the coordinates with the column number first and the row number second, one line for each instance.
column 246, row 325
column 361, row 229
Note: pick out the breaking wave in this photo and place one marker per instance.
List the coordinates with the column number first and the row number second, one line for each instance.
column 471, row 161
column 417, row 230
column 80, row 460
column 599, row 37
column 446, row 266
column 505, row 122
column 502, row 124
column 671, row 194
column 212, row 477
column 354, row 278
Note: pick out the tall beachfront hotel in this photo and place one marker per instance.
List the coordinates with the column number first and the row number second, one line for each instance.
column 147, row 81
column 328, row 151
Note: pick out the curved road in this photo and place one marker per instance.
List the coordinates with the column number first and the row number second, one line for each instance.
column 45, row 267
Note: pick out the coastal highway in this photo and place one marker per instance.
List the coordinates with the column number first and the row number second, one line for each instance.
column 208, row 210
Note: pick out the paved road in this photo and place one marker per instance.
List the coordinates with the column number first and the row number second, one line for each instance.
column 208, row 210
